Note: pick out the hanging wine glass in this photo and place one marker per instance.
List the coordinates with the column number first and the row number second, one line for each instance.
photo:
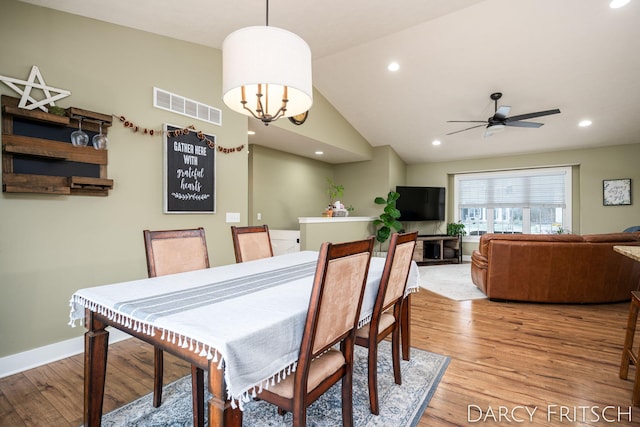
column 100, row 140
column 79, row 138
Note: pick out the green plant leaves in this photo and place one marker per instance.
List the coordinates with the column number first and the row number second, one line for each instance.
column 387, row 220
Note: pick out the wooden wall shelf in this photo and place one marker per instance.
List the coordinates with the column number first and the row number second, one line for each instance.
column 38, row 157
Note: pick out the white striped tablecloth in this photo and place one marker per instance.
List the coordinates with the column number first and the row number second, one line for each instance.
column 249, row 315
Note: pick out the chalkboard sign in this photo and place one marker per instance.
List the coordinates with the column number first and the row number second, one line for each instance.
column 190, row 167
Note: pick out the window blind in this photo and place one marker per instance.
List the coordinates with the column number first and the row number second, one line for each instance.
column 533, row 188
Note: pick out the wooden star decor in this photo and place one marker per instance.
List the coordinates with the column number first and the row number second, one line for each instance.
column 35, row 81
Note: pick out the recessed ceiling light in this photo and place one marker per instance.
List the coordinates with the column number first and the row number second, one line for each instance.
column 436, row 142
column 615, row 4
column 251, row 132
column 394, row 66
column 319, row 153
column 584, row 123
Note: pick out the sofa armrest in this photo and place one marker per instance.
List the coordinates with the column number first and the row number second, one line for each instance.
column 479, row 266
column 479, row 260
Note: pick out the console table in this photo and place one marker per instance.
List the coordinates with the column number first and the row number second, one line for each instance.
column 438, row 249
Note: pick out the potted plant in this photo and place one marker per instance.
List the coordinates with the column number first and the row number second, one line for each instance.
column 334, row 191
column 456, row 229
column 388, row 219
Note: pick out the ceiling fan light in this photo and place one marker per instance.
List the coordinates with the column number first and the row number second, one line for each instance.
column 615, row 4
column 270, row 61
column 493, row 129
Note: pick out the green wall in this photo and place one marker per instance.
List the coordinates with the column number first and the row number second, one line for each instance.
column 285, row 187
column 364, row 181
column 326, row 125
column 52, row 245
column 590, row 167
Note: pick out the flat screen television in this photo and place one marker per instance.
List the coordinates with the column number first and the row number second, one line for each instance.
column 421, row 203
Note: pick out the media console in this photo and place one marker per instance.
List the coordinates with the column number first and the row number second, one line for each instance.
column 438, row 249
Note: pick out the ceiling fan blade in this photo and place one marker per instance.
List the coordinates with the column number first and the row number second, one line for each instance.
column 472, row 127
column 524, row 124
column 531, row 115
column 502, row 112
column 466, row 121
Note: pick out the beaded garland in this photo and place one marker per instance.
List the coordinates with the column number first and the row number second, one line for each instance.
column 184, row 131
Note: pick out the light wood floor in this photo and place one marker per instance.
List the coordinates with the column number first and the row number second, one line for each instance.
column 505, row 356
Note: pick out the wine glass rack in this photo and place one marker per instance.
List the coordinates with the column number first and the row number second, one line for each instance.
column 38, row 157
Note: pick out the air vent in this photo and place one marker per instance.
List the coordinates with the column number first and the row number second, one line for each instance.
column 186, row 107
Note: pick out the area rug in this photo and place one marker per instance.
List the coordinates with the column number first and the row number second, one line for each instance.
column 400, row 405
column 452, row 281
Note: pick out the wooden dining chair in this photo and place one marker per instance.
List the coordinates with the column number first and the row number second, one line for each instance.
column 334, row 309
column 251, row 242
column 170, row 252
column 385, row 318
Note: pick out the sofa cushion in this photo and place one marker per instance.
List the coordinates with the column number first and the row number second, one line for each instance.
column 486, row 238
column 559, row 268
column 611, row 237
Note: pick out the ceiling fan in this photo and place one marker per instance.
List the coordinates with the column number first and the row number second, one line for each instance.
column 499, row 120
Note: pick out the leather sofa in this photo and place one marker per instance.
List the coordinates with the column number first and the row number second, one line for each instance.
column 555, row 268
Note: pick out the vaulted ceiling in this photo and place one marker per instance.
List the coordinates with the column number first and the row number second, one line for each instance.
column 576, row 55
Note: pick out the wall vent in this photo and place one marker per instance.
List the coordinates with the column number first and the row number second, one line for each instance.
column 186, row 107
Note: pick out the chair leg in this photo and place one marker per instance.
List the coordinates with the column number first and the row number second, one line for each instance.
column 197, row 396
column 372, row 367
column 635, row 397
column 347, row 398
column 157, row 376
column 395, row 354
column 405, row 327
column 627, row 351
column 299, row 412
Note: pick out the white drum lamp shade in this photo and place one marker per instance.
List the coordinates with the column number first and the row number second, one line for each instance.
column 270, row 61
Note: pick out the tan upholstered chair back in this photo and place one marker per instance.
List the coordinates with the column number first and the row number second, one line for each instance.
column 251, row 243
column 400, row 264
column 175, row 251
column 332, row 316
column 341, row 299
column 336, row 297
column 387, row 312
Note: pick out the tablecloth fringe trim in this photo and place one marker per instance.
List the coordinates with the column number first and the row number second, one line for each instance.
column 201, row 349
column 366, row 320
column 253, row 392
column 196, row 346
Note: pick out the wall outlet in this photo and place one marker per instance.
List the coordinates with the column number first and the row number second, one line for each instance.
column 259, row 216
column 233, row 216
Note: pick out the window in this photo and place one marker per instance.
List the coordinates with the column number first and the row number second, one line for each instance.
column 531, row 201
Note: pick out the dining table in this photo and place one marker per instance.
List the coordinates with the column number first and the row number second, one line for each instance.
column 242, row 323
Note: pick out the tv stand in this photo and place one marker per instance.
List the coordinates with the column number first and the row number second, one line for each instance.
column 438, row 249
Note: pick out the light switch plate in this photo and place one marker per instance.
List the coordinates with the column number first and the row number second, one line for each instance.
column 233, row 216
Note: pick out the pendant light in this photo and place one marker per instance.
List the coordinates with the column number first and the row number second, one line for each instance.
column 266, row 72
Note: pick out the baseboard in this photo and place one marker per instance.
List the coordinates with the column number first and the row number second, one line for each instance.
column 19, row 362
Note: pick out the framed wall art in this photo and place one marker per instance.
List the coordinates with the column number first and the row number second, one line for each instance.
column 189, row 172
column 616, row 192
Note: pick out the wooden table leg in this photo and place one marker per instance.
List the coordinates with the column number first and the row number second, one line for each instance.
column 96, row 343
column 221, row 414
column 197, row 396
column 405, row 327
